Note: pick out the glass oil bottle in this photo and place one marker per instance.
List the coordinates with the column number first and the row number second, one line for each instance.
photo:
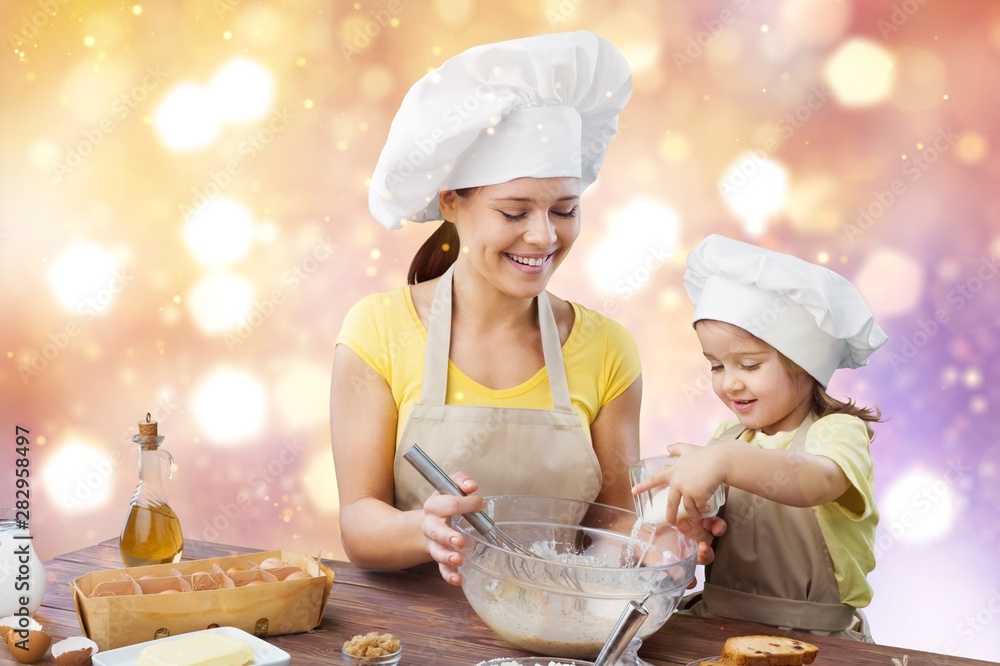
column 152, row 532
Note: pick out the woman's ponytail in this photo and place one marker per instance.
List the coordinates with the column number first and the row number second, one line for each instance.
column 436, row 255
column 438, row 252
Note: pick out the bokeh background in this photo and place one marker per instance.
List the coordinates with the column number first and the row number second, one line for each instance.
column 183, row 224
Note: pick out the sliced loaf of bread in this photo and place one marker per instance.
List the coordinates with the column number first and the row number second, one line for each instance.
column 767, row 651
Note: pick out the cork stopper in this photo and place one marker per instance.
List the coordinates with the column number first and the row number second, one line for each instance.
column 147, row 429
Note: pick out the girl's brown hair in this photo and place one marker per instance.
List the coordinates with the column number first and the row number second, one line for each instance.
column 439, row 251
column 824, row 404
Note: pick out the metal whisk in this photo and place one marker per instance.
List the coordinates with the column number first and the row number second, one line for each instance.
column 444, row 485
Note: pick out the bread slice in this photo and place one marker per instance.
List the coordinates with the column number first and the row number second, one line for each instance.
column 767, row 651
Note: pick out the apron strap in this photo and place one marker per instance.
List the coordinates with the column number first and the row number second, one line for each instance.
column 434, row 389
column 434, row 386
column 552, row 352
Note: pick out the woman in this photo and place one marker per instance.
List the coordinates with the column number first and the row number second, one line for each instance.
column 474, row 361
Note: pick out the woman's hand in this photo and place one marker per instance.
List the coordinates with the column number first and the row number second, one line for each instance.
column 443, row 542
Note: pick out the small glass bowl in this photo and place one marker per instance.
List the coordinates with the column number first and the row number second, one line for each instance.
column 383, row 660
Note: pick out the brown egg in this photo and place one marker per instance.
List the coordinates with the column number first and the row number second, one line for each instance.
column 28, row 650
column 256, row 582
column 231, row 570
column 297, row 575
column 272, row 563
column 170, row 592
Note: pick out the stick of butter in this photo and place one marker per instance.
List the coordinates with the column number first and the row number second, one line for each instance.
column 210, row 649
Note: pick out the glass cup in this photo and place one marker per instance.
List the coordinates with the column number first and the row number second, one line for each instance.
column 651, row 505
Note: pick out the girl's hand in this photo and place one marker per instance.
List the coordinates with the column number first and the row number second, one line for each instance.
column 443, row 542
column 699, row 470
column 692, row 479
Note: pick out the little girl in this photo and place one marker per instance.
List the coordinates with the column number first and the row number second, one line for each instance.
column 800, row 509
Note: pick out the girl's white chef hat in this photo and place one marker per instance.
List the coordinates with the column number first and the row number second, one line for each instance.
column 810, row 314
column 543, row 107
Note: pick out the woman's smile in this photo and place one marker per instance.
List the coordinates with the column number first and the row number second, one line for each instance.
column 529, row 263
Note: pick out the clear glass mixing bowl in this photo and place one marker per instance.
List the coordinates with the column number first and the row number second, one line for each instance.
column 594, row 559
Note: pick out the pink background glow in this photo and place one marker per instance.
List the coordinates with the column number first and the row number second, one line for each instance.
column 863, row 137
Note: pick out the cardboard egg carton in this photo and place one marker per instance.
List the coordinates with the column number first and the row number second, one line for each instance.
column 123, row 607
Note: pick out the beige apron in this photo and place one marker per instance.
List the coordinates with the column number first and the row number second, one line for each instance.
column 772, row 565
column 508, row 451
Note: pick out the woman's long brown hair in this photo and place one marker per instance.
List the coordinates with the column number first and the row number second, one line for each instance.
column 439, row 251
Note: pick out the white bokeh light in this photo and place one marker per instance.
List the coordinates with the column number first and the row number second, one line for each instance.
column 919, row 507
column 891, row 281
column 320, row 480
column 640, row 239
column 220, row 302
column 186, row 118
column 754, row 187
column 860, row 73
column 230, row 406
column 84, row 277
column 191, row 115
column 302, row 395
column 219, row 233
column 78, row 476
column 241, row 90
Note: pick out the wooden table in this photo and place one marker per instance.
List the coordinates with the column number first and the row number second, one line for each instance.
column 434, row 622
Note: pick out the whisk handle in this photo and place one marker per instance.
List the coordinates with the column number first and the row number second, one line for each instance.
column 444, row 485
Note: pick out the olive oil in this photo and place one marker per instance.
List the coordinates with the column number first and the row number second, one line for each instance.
column 152, row 532
column 151, row 535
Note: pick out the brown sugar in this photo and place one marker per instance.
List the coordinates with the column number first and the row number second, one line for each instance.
column 372, row 644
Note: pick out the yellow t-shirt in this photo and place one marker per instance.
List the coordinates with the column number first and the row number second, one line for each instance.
column 600, row 356
column 850, row 536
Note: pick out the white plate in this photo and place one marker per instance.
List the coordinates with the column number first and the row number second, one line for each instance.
column 264, row 654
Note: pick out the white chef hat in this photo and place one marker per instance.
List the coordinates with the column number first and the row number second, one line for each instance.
column 543, row 107
column 810, row 314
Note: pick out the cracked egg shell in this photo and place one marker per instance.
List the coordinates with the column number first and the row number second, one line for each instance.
column 74, row 651
column 30, row 649
column 14, row 622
